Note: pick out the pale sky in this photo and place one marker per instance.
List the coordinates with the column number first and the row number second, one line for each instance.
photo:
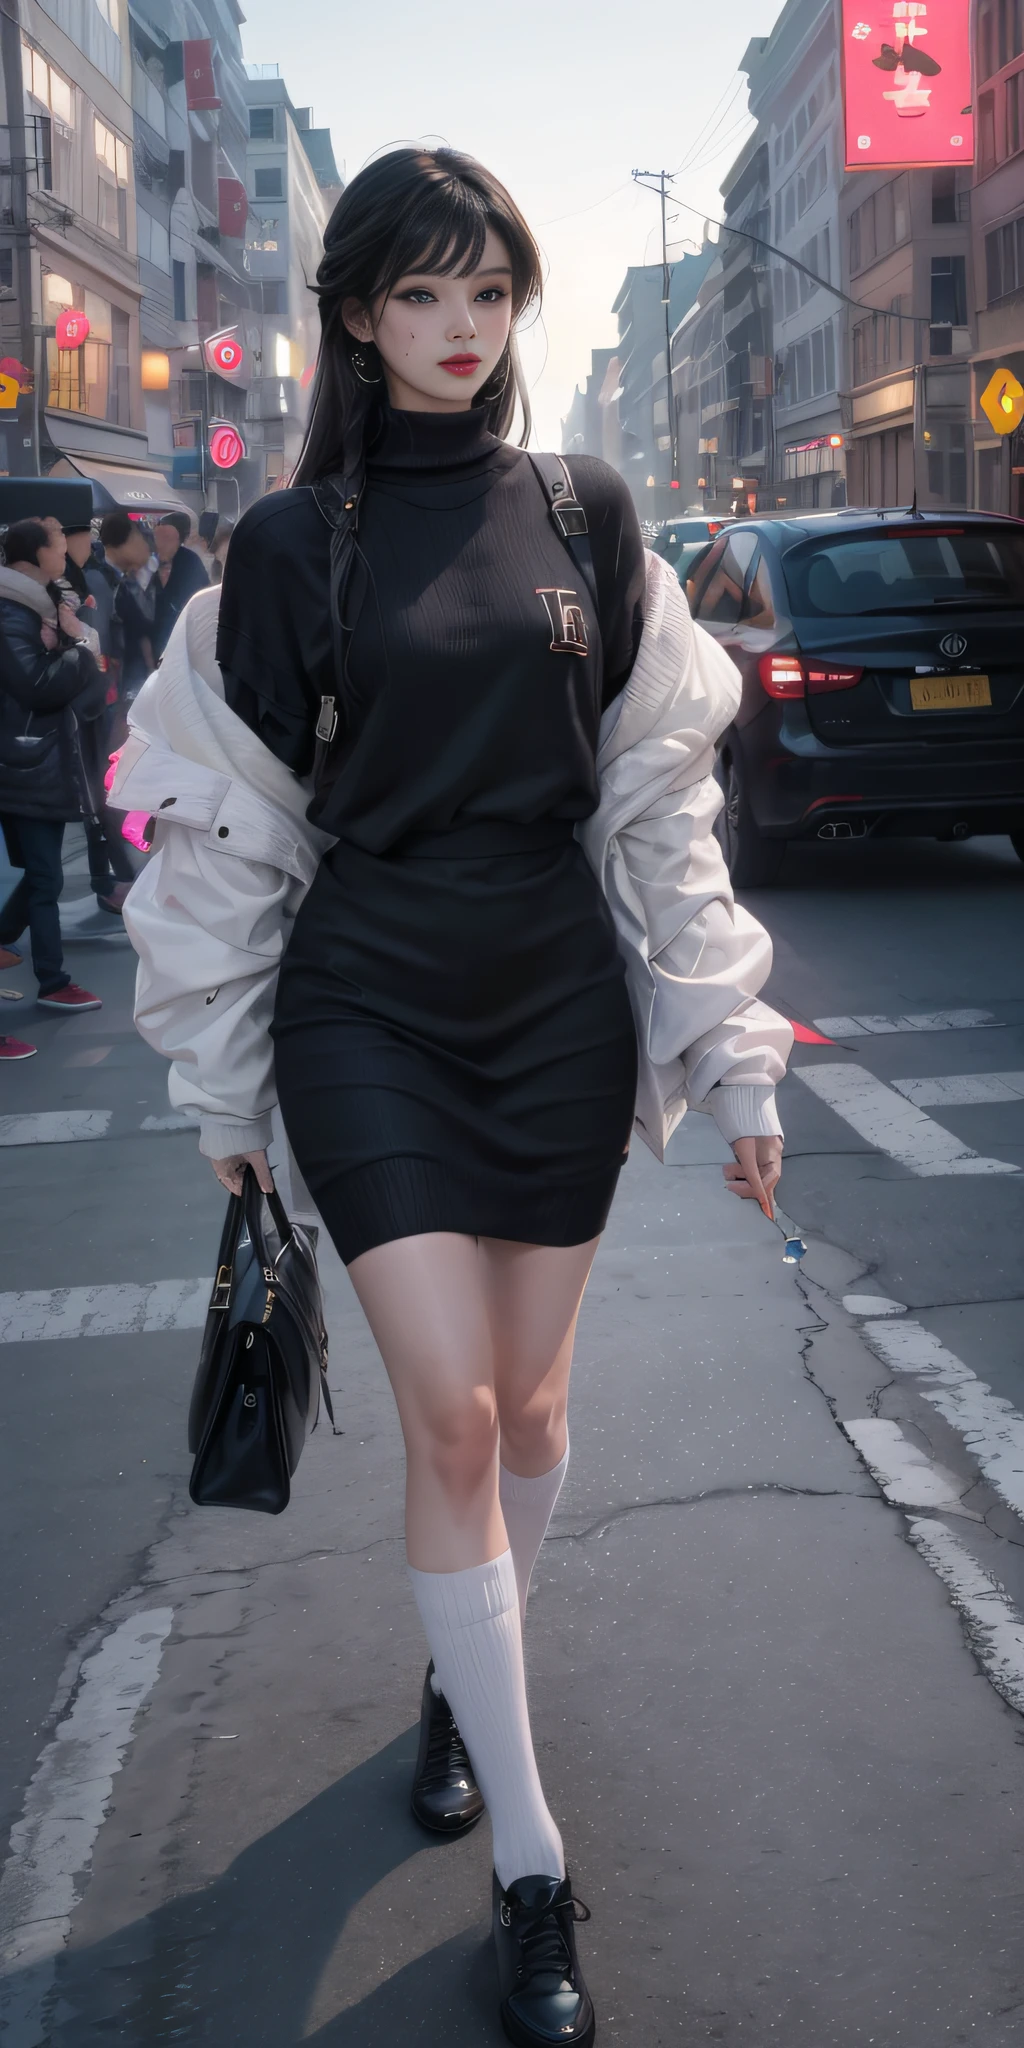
column 562, row 99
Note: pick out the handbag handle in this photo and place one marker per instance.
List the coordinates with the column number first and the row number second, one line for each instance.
column 252, row 1196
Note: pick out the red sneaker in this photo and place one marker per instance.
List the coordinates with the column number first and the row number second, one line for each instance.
column 9, row 958
column 70, row 998
column 15, row 1049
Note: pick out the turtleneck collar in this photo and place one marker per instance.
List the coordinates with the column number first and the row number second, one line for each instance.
column 432, row 440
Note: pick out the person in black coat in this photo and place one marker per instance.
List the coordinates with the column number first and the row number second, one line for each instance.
column 181, row 573
column 48, row 681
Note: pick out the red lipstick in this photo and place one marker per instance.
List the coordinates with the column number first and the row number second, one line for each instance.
column 460, row 366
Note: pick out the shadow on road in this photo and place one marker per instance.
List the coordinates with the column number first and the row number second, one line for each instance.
column 242, row 1960
column 870, row 864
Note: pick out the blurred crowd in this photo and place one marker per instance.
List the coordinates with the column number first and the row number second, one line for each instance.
column 85, row 614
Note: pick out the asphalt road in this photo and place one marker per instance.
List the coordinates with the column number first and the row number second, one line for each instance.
column 777, row 1691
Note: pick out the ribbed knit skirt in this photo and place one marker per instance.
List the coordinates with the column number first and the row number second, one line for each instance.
column 455, row 1049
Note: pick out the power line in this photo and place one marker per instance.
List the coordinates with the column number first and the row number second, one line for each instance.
column 720, row 109
column 860, row 305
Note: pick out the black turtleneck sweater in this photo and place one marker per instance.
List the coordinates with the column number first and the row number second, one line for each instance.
column 456, row 708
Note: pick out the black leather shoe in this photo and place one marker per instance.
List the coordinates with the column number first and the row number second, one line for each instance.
column 544, row 2000
column 445, row 1795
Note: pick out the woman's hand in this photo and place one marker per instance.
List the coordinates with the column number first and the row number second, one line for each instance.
column 48, row 636
column 69, row 622
column 230, row 1171
column 757, row 1171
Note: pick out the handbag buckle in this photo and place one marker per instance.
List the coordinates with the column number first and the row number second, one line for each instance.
column 268, row 1311
column 221, row 1296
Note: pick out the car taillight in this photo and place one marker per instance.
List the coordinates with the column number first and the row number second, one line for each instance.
column 782, row 675
column 787, row 675
column 714, row 526
column 822, row 677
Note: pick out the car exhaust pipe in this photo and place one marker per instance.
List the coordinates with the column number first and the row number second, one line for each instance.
column 844, row 828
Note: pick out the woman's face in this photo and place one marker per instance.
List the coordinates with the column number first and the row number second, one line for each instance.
column 52, row 559
column 439, row 338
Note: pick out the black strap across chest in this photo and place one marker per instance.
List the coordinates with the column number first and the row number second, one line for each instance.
column 338, row 499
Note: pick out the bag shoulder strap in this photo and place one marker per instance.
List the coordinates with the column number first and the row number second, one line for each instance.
column 567, row 515
column 337, row 500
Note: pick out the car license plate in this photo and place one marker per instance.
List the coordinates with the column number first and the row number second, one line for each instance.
column 949, row 693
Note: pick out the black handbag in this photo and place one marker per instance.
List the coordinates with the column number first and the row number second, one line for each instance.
column 263, row 1362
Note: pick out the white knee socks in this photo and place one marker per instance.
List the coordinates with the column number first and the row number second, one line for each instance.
column 472, row 1624
column 528, row 1505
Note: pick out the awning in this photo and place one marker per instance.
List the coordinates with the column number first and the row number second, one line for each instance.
column 126, row 490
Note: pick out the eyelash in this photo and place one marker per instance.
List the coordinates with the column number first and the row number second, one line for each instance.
column 492, row 294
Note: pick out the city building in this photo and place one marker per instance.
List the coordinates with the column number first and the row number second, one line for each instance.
column 293, row 184
column 997, row 233
column 794, row 96
column 591, row 426
column 645, row 435
column 68, row 248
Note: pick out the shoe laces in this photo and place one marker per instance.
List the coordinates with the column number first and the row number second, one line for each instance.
column 543, row 1941
column 446, row 1750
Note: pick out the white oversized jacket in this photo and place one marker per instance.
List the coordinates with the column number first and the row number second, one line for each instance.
column 233, row 855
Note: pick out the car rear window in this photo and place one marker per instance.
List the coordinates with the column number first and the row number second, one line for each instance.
column 904, row 571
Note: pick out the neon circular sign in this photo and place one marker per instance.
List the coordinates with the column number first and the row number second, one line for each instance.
column 226, row 445
column 226, row 354
column 72, row 328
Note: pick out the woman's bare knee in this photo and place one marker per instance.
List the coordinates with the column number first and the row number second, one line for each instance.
column 533, row 1431
column 456, row 1433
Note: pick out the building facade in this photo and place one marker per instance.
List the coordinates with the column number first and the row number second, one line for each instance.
column 68, row 241
column 997, row 235
column 293, row 184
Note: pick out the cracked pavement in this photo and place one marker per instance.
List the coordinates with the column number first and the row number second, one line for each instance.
column 789, row 1792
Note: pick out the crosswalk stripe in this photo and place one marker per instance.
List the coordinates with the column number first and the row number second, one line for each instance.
column 954, row 1089
column 926, row 1020
column 908, row 1477
column 896, row 1126
column 54, row 1126
column 995, row 1627
column 35, row 1316
column 992, row 1428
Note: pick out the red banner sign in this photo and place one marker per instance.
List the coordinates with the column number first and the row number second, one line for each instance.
column 907, row 83
column 200, row 84
column 72, row 328
column 232, row 206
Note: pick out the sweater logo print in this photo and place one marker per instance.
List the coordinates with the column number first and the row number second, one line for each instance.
column 565, row 617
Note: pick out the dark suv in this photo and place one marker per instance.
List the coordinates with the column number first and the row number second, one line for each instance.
column 882, row 656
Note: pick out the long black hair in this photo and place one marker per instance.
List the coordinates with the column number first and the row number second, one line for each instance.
column 412, row 209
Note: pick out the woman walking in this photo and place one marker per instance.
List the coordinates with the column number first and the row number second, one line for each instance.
column 440, row 639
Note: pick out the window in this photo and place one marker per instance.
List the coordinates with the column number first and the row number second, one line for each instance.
column 1014, row 112
column 895, row 572
column 112, row 152
column 1004, row 259
column 6, row 270
column 94, row 378
column 717, row 594
column 986, row 132
column 943, row 196
column 261, row 124
column 949, row 290
column 758, row 609
column 1011, row 30
column 880, row 223
column 809, row 366
column 112, row 183
column 154, row 241
column 267, row 185
column 178, row 289
column 48, row 85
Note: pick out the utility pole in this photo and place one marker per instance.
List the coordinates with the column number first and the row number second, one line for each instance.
column 19, row 229
column 663, row 177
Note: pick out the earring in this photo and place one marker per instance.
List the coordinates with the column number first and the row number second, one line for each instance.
column 360, row 360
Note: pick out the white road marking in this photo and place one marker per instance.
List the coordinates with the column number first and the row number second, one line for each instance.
column 52, row 1844
column 992, row 1428
column 907, row 1476
column 114, row 1311
column 873, row 1305
column 895, row 1125
column 954, row 1089
column 995, row 1627
column 54, row 1126
column 928, row 1020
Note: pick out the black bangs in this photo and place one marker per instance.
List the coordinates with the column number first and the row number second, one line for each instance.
column 442, row 236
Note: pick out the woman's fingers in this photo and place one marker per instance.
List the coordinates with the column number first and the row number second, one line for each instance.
column 745, row 1177
column 231, row 1172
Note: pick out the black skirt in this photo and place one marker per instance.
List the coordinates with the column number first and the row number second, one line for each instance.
column 455, row 1049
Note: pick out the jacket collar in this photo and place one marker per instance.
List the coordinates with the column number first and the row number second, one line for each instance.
column 35, row 597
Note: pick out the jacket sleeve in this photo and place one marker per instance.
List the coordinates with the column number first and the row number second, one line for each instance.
column 209, row 918
column 668, row 887
column 40, row 680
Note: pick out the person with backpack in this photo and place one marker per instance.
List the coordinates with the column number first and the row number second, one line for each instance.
column 49, row 682
column 449, row 787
